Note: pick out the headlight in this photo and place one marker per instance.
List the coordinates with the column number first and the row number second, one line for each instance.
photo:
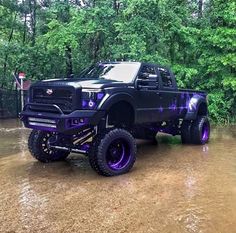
column 90, row 100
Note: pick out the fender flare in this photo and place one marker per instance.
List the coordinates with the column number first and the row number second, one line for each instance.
column 193, row 106
column 110, row 100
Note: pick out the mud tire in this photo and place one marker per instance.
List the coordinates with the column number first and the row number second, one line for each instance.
column 100, row 155
column 200, row 130
column 36, row 144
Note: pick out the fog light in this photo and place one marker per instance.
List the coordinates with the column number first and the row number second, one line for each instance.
column 100, row 95
column 75, row 122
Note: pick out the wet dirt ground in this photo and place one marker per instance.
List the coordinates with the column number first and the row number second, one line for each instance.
column 172, row 188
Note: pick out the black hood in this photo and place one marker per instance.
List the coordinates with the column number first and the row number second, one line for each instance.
column 84, row 83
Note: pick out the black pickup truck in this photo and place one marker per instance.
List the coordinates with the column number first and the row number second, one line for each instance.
column 102, row 111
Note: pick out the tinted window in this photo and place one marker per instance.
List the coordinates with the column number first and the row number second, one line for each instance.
column 122, row 72
column 166, row 78
column 146, row 70
column 148, row 81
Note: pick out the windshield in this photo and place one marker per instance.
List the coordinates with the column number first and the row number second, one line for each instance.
column 121, row 72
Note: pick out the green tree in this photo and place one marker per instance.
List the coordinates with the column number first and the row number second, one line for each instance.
column 196, row 38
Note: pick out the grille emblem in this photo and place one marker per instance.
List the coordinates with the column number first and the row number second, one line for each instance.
column 49, row 91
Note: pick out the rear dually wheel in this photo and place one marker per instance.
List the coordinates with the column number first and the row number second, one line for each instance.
column 200, row 130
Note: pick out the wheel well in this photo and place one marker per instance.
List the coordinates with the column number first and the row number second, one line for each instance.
column 121, row 114
column 202, row 110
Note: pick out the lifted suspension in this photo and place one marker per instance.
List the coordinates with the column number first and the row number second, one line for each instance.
column 78, row 143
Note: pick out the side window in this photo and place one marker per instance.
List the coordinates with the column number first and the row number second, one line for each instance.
column 146, row 70
column 148, row 81
column 165, row 78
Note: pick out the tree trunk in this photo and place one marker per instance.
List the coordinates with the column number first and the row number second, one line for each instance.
column 116, row 6
column 6, row 56
column 200, row 8
column 69, row 64
column 172, row 49
column 25, row 27
column 33, row 20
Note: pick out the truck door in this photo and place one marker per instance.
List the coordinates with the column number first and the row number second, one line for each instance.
column 147, row 94
column 168, row 95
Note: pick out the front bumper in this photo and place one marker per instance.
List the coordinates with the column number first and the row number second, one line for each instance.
column 58, row 121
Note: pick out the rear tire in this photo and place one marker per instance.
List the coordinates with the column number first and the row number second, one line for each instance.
column 200, row 130
column 113, row 152
column 39, row 149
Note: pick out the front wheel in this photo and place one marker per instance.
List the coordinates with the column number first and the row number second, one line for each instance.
column 39, row 148
column 113, row 152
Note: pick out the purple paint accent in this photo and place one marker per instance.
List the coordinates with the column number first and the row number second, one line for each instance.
column 187, row 100
column 100, row 95
column 88, row 104
column 173, row 106
column 118, row 155
column 205, row 132
column 85, row 147
column 84, row 103
column 181, row 108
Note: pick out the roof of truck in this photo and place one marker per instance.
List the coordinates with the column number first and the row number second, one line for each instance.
column 134, row 62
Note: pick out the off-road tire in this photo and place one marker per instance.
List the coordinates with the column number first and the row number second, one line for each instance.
column 186, row 133
column 200, row 130
column 36, row 144
column 99, row 149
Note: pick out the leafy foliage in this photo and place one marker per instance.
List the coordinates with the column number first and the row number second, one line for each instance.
column 196, row 38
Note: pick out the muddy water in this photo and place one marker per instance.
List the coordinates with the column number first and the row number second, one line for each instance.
column 172, row 188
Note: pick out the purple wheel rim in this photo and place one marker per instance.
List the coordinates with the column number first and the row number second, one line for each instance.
column 118, row 154
column 205, row 132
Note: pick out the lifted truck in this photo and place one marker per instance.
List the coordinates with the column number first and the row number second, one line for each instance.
column 103, row 110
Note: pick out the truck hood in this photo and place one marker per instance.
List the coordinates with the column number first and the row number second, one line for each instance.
column 83, row 83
